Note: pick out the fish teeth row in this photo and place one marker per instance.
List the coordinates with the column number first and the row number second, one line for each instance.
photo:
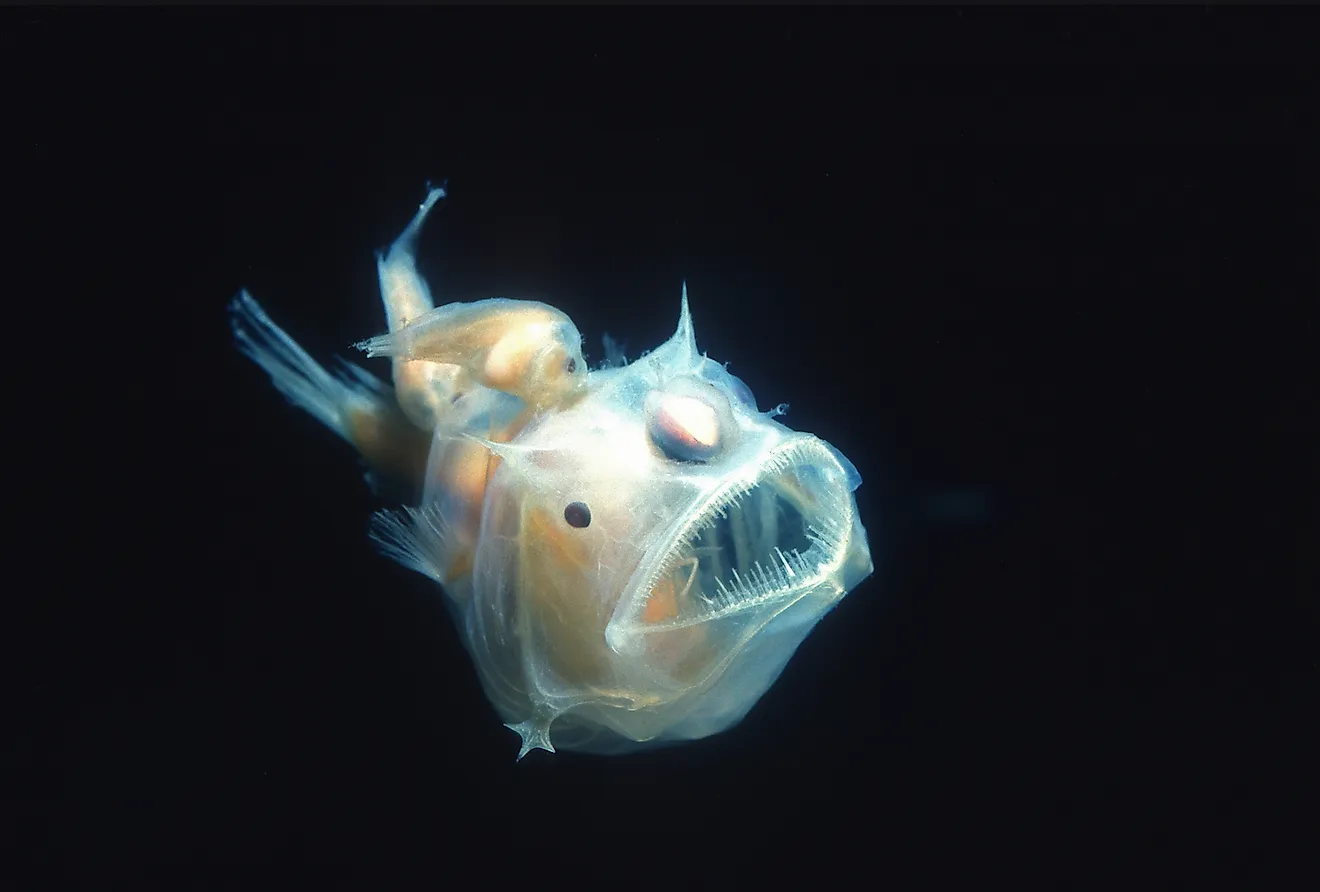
column 826, row 534
column 758, row 582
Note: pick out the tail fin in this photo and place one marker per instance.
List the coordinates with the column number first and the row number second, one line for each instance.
column 335, row 400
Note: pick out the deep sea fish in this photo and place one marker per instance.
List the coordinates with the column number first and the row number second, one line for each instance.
column 632, row 553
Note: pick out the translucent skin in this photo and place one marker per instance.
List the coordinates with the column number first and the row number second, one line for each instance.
column 523, row 348
column 632, row 554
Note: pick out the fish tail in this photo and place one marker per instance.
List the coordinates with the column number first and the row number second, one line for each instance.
column 335, row 399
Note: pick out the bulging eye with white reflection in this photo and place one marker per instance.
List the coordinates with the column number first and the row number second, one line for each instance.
column 690, row 421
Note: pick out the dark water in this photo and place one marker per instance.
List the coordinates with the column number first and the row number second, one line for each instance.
column 1047, row 279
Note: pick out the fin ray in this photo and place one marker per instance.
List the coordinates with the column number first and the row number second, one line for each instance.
column 414, row 537
column 328, row 397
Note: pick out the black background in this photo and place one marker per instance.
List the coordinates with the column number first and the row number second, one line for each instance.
column 1064, row 260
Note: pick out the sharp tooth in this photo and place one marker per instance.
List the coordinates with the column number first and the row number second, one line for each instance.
column 724, row 592
column 787, row 567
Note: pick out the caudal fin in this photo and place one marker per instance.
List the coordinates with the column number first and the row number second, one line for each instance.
column 334, row 399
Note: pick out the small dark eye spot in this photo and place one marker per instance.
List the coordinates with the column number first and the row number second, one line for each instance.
column 577, row 514
column 571, row 366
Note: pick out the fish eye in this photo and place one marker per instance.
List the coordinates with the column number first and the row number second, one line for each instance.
column 570, row 366
column 577, row 514
column 690, row 420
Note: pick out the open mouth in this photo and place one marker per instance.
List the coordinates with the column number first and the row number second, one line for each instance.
column 751, row 544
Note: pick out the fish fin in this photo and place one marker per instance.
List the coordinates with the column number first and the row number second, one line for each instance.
column 328, row 397
column 362, row 379
column 414, row 537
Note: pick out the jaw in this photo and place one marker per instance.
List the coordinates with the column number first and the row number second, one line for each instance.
column 747, row 547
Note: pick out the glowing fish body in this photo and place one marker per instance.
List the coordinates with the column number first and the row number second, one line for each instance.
column 632, row 553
